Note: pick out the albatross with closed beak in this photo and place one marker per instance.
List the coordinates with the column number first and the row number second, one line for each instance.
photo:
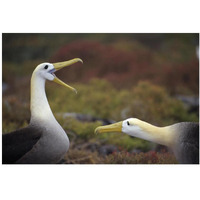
column 182, row 138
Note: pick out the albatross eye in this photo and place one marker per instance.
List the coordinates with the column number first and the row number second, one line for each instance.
column 128, row 123
column 46, row 67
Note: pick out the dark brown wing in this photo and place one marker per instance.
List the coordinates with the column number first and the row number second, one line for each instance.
column 18, row 143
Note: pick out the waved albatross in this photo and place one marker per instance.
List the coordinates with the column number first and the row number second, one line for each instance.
column 182, row 138
column 43, row 141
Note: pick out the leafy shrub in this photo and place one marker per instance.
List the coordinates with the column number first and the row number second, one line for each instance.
column 99, row 98
column 15, row 114
column 153, row 104
column 84, row 130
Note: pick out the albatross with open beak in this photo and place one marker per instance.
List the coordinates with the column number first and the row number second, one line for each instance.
column 43, row 141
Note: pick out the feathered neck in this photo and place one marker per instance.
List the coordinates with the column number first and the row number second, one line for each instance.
column 40, row 109
column 161, row 135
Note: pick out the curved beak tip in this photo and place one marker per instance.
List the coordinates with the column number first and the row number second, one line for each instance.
column 80, row 60
column 96, row 131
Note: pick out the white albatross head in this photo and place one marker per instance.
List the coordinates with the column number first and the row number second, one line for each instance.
column 128, row 126
column 46, row 71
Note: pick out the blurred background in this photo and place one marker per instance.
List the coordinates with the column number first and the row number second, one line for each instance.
column 153, row 77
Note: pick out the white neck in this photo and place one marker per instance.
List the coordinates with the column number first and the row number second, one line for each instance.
column 43, row 118
column 40, row 109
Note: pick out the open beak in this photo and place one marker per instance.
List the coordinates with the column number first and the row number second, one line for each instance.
column 116, row 127
column 61, row 65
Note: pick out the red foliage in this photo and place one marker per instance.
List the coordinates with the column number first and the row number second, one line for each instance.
column 151, row 157
column 126, row 68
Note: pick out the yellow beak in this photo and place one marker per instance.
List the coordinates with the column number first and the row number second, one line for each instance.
column 61, row 65
column 116, row 127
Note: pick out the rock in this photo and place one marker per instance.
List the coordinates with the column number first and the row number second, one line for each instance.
column 188, row 100
column 86, row 118
column 4, row 87
column 160, row 148
column 107, row 149
column 93, row 147
column 136, row 150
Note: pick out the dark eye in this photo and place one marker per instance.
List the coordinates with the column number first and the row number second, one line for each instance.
column 46, row 67
column 128, row 123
